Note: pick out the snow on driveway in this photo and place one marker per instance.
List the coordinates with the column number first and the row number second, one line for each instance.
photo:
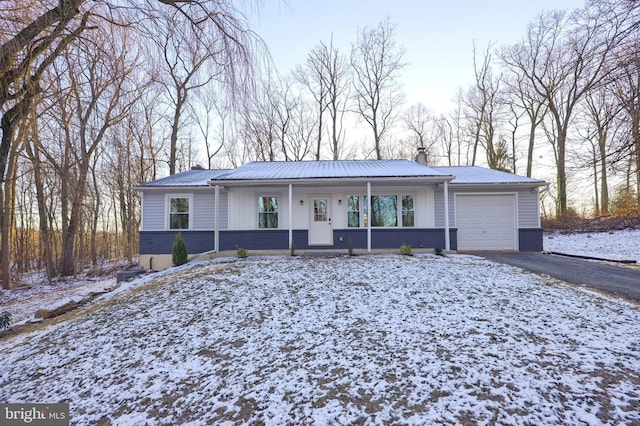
column 367, row 340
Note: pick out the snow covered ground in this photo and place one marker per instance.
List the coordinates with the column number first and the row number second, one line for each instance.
column 618, row 245
column 23, row 301
column 367, row 340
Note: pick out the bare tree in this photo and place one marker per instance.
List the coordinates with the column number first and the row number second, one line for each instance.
column 190, row 60
column 283, row 103
column 563, row 57
column 515, row 114
column 212, row 119
column 336, row 73
column 35, row 33
column 376, row 61
column 92, row 97
column 299, row 139
column 601, row 111
column 33, row 150
column 325, row 74
column 260, row 123
column 523, row 99
column 311, row 75
column 626, row 88
column 484, row 110
column 422, row 128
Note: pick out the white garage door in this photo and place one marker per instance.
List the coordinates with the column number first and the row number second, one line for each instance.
column 486, row 222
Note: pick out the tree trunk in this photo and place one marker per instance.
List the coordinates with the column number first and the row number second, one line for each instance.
column 532, row 139
column 174, row 141
column 68, row 266
column 604, row 190
column 8, row 124
column 8, row 209
column 95, row 215
column 319, row 143
column 334, row 132
column 561, row 172
column 595, row 179
column 376, row 135
column 45, row 236
column 635, row 126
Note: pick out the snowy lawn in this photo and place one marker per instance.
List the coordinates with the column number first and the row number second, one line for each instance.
column 365, row 340
column 617, row 245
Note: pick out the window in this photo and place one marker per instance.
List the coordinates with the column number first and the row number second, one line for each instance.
column 178, row 213
column 353, row 211
column 267, row 212
column 320, row 209
column 407, row 210
column 384, row 210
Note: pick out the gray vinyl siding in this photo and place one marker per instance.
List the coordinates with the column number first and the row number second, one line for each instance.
column 439, row 208
column 223, row 208
column 203, row 209
column 153, row 211
column 528, row 214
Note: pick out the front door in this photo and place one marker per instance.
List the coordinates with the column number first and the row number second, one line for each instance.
column 320, row 232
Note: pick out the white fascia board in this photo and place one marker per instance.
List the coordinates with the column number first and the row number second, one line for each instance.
column 497, row 185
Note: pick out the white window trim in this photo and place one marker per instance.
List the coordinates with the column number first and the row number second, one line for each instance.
column 413, row 195
column 167, row 209
column 360, row 210
column 278, row 198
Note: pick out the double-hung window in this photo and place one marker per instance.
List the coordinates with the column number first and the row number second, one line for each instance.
column 353, row 211
column 407, row 211
column 267, row 212
column 179, row 212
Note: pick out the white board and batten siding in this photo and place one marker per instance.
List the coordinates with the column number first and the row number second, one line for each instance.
column 202, row 209
column 243, row 204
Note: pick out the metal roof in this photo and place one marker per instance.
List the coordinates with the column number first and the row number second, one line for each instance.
column 341, row 169
column 279, row 170
column 481, row 175
column 188, row 179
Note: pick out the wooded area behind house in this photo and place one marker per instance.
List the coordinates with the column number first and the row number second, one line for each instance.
column 98, row 97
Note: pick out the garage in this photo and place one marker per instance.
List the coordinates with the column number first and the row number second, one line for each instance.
column 486, row 221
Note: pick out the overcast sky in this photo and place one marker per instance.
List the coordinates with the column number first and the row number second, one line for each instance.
column 438, row 35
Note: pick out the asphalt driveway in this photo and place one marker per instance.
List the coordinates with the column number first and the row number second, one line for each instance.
column 620, row 280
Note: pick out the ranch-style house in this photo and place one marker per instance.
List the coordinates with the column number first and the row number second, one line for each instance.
column 315, row 205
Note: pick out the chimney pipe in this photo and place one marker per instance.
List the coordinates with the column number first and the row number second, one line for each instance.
column 421, row 158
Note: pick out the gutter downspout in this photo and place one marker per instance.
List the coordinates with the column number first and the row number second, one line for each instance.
column 369, row 217
column 290, row 216
column 216, row 223
column 447, row 240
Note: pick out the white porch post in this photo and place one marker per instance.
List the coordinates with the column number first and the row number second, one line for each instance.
column 216, row 222
column 369, row 217
column 447, row 242
column 290, row 215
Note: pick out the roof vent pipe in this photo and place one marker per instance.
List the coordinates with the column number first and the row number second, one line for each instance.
column 421, row 158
